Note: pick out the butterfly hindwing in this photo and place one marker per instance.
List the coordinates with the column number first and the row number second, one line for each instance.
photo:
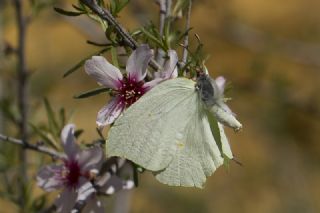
column 197, row 157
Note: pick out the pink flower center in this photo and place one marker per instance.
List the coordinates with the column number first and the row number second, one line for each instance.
column 72, row 173
column 130, row 91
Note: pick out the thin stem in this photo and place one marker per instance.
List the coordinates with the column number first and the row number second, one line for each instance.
column 186, row 38
column 168, row 8
column 163, row 14
column 162, row 7
column 1, row 81
column 26, row 145
column 22, row 93
column 107, row 16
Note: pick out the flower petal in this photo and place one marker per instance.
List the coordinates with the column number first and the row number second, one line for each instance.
column 115, row 184
column 138, row 62
column 85, row 191
column 110, row 112
column 149, row 85
column 103, row 72
column 47, row 178
column 66, row 201
column 220, row 81
column 170, row 69
column 68, row 140
column 91, row 158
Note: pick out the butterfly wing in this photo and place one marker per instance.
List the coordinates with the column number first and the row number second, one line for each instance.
column 226, row 149
column 145, row 132
column 198, row 155
column 166, row 131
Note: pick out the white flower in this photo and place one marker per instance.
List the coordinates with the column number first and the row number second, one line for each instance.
column 126, row 89
column 75, row 172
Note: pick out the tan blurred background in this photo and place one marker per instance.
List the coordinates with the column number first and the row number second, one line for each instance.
column 269, row 50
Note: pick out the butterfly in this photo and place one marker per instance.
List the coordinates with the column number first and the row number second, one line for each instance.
column 169, row 131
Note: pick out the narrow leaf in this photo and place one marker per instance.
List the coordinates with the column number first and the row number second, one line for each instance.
column 68, row 13
column 44, row 137
column 152, row 38
column 92, row 92
column 53, row 124
column 114, row 57
column 78, row 132
column 78, row 65
column 62, row 115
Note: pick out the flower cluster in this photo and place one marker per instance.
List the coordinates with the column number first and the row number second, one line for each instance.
column 77, row 176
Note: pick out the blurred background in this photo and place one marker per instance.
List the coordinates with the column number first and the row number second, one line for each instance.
column 269, row 50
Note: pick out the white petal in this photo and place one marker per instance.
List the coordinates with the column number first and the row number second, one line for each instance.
column 226, row 118
column 138, row 62
column 46, row 178
column 66, row 201
column 68, row 140
column 114, row 184
column 91, row 158
column 103, row 72
column 85, row 191
column 220, row 81
column 110, row 112
column 149, row 85
column 170, row 69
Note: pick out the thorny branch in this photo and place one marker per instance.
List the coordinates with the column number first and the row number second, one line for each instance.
column 107, row 16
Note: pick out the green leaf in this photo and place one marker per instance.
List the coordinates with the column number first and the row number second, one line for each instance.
column 53, row 124
column 98, row 44
column 92, row 92
column 79, row 64
column 180, row 5
column 62, row 115
column 39, row 203
column 68, row 13
column 114, row 57
column 215, row 129
column 135, row 175
column 78, row 132
column 153, row 38
column 226, row 161
column 81, row 9
column 44, row 136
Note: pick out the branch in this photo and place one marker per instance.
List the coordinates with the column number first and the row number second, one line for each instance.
column 22, row 93
column 26, row 145
column 168, row 8
column 186, row 38
column 107, row 16
column 163, row 15
column 162, row 5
